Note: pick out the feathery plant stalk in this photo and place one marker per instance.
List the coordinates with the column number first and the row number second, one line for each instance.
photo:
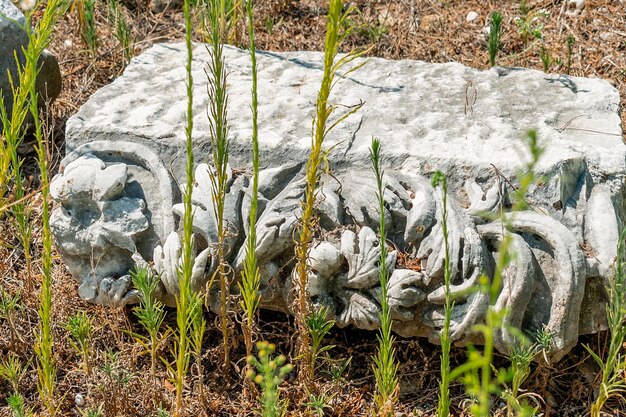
column 18, row 407
column 251, row 277
column 13, row 124
column 150, row 312
column 495, row 33
column 198, row 327
column 80, row 327
column 520, row 356
column 613, row 366
column 12, row 370
column 477, row 372
column 270, row 373
column 88, row 29
column 337, row 28
column 8, row 307
column 570, row 51
column 26, row 100
column 546, row 57
column 443, row 406
column 121, row 29
column 318, row 325
column 385, row 365
column 218, row 99
column 184, row 299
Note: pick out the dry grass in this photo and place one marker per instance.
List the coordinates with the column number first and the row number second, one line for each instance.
column 418, row 29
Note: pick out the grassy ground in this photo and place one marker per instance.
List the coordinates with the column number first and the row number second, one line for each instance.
column 435, row 31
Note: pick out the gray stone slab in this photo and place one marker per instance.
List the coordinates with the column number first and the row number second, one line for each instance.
column 119, row 189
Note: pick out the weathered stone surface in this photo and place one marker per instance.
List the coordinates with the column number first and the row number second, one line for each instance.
column 12, row 40
column 470, row 124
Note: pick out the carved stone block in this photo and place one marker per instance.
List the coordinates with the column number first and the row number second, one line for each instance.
column 119, row 190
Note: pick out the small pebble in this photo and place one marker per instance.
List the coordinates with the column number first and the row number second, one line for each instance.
column 79, row 400
column 575, row 7
column 68, row 43
column 606, row 36
column 471, row 16
column 26, row 5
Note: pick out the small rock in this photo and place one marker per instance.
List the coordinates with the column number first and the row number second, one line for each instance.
column 79, row 400
column 13, row 39
column 606, row 36
column 574, row 7
column 471, row 16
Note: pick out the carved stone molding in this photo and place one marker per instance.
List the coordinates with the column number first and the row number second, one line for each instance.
column 118, row 193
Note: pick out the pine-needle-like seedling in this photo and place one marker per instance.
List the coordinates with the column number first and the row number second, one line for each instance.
column 613, row 365
column 250, row 276
column 520, row 356
column 18, row 407
column 546, row 57
column 184, row 298
column 121, row 29
column 318, row 325
column 220, row 175
column 570, row 52
column 268, row 373
column 198, row 328
column 80, row 327
column 93, row 412
column 495, row 34
column 88, row 29
column 150, row 312
column 9, row 305
column 12, row 370
column 385, row 364
column 337, row 28
column 26, row 100
column 443, row 406
column 477, row 373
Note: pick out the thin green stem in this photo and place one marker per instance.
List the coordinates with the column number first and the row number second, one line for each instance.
column 443, row 406
column 184, row 297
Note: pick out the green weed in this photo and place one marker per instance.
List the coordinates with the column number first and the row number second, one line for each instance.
column 121, row 29
column 88, row 30
column 26, row 100
column 115, row 384
column 443, row 406
column 12, row 370
column 319, row 404
column 218, row 132
column 318, row 326
column 570, row 51
column 9, row 304
column 184, row 299
column 250, row 276
column 337, row 29
column 270, row 373
column 613, row 365
column 495, row 35
column 80, row 327
column 385, row 364
column 150, row 312
column 546, row 58
column 530, row 23
column 18, row 407
column 93, row 412
column 477, row 372
column 198, row 328
column 521, row 356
